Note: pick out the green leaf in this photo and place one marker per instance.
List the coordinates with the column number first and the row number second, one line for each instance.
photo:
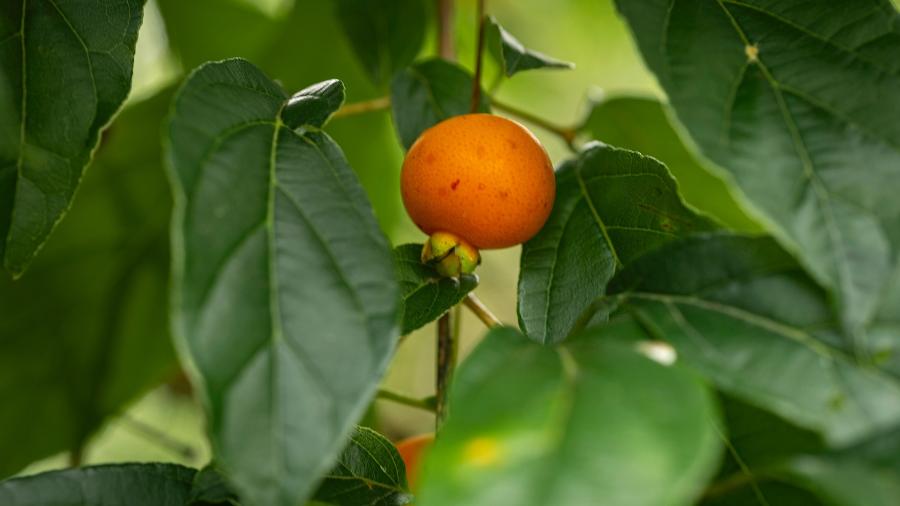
column 109, row 485
column 798, row 101
column 210, row 487
column 427, row 93
column 313, row 106
column 515, row 57
column 285, row 301
column 568, row 425
column 612, row 206
column 743, row 313
column 369, row 471
column 426, row 295
column 65, row 69
column 641, row 124
column 385, row 34
column 86, row 331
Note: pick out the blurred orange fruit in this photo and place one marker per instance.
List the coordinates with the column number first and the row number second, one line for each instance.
column 412, row 451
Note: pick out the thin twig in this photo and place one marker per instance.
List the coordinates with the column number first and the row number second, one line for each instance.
column 444, row 366
column 376, row 104
column 427, row 404
column 476, row 80
column 481, row 311
column 567, row 134
column 445, row 34
column 158, row 437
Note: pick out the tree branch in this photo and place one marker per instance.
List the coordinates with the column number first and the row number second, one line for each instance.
column 481, row 311
column 376, row 104
column 476, row 80
column 445, row 35
column 427, row 404
column 567, row 134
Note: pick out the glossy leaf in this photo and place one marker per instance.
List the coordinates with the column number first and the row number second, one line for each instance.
column 427, row 93
column 108, row 485
column 641, row 124
column 426, row 295
column 210, row 487
column 798, row 101
column 743, row 313
column 86, row 331
column 536, row 425
column 368, row 472
column 612, row 206
column 285, row 301
column 313, row 106
column 515, row 57
column 65, row 69
column 385, row 34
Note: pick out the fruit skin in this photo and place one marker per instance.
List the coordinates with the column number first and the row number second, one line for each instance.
column 412, row 451
column 484, row 178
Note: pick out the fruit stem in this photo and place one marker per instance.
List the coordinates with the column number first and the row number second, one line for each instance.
column 476, row 79
column 352, row 109
column 445, row 366
column 445, row 35
column 567, row 134
column 481, row 311
column 427, row 404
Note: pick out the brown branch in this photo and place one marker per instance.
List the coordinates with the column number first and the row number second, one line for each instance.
column 427, row 404
column 445, row 33
column 444, row 362
column 476, row 79
column 481, row 311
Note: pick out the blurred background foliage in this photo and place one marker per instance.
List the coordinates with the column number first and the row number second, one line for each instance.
column 104, row 270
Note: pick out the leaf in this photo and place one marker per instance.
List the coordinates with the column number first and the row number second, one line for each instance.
column 515, row 57
column 210, row 487
column 798, row 102
column 426, row 295
column 108, row 485
column 641, row 124
column 612, row 206
column 313, row 106
column 65, row 69
column 744, row 314
column 535, row 425
column 369, row 472
column 86, row 332
column 285, row 301
column 426, row 93
column 385, row 34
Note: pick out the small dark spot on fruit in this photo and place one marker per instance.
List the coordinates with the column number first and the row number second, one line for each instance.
column 512, row 144
column 454, row 184
column 430, row 158
column 481, row 186
column 503, row 194
column 480, row 151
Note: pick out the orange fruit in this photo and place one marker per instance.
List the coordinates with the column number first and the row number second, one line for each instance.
column 481, row 177
column 412, row 451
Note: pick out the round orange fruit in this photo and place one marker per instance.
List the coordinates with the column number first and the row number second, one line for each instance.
column 412, row 451
column 481, row 177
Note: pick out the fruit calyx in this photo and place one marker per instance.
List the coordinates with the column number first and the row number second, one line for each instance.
column 450, row 256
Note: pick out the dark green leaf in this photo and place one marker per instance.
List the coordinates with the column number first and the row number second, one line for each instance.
column 65, row 69
column 426, row 295
column 427, row 93
column 385, row 34
column 210, row 487
column 368, row 472
column 87, row 331
column 798, row 101
column 313, row 106
column 572, row 424
column 109, row 485
column 641, row 124
column 513, row 56
column 612, row 206
column 743, row 313
column 285, row 297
